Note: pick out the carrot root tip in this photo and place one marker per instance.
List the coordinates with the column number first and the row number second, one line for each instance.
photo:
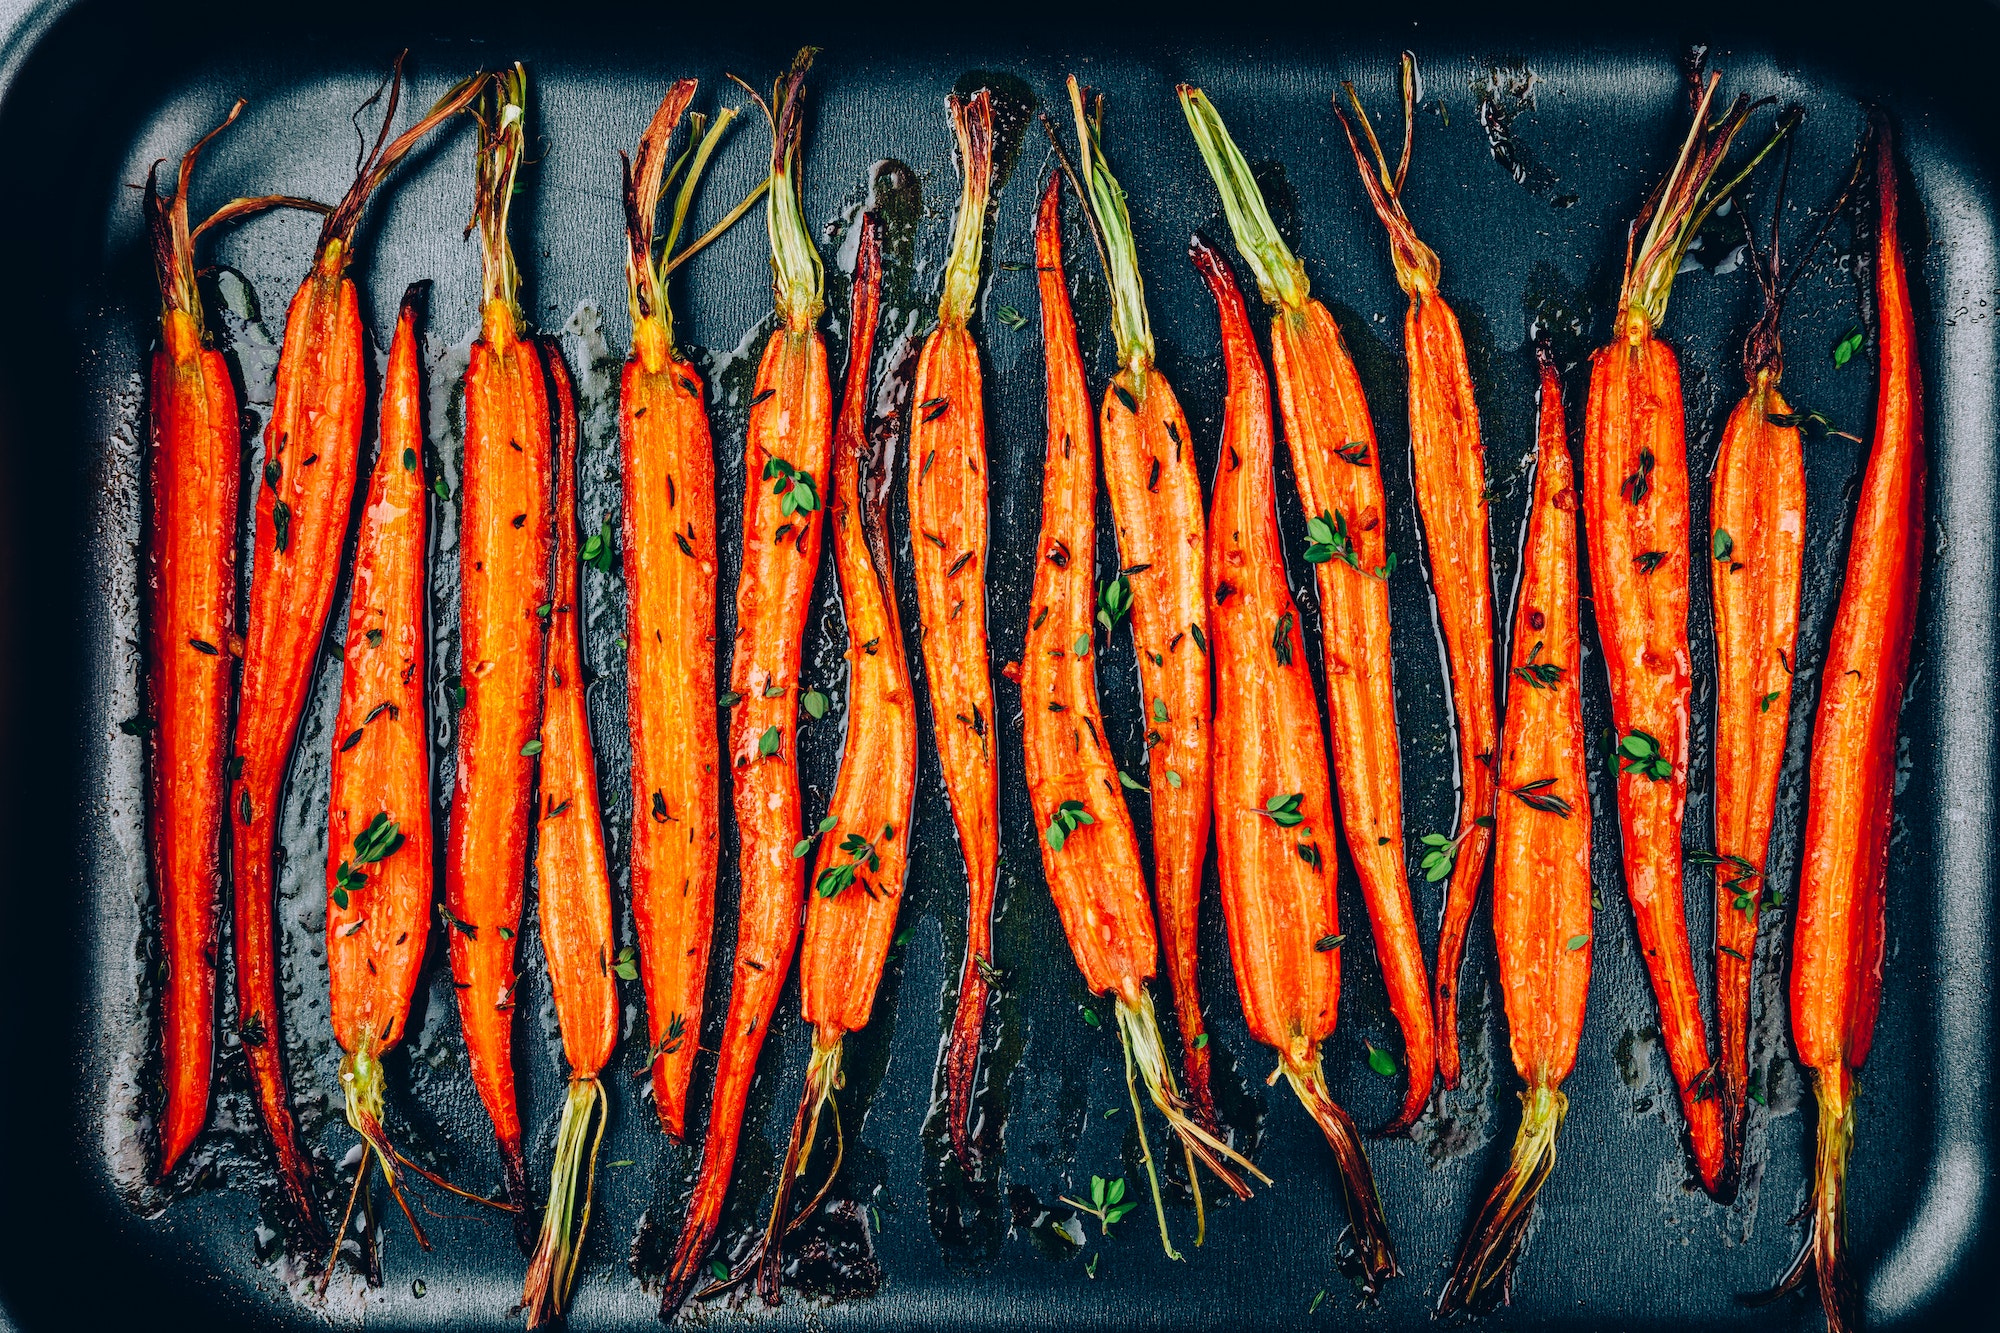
column 1824, row 1253
column 552, row 1271
column 1367, row 1256
column 822, row 1078
column 1484, row 1274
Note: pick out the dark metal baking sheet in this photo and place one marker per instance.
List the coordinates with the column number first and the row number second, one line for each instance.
column 94, row 90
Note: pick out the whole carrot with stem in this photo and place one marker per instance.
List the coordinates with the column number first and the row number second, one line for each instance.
column 1449, row 467
column 1837, row 939
column 1090, row 855
column 864, row 841
column 1332, row 443
column 669, row 535
column 1149, row 471
column 790, row 430
column 573, row 897
column 1635, row 492
column 311, row 461
column 1541, row 865
column 505, row 523
column 193, row 463
column 1273, row 795
column 947, row 485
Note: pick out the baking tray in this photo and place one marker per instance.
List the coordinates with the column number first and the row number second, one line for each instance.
column 95, row 90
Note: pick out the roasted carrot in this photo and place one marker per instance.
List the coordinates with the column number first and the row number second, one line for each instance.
column 948, row 551
column 192, row 465
column 1339, row 473
column 1837, row 939
column 378, row 862
column 1155, row 494
column 791, row 425
column 858, row 879
column 1449, row 467
column 311, row 458
column 1541, row 865
column 572, row 895
column 505, row 523
column 1273, row 795
column 1090, row 855
column 1635, row 511
column 670, row 571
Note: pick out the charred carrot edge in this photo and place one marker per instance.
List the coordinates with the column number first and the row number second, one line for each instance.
column 1837, row 938
column 669, row 536
column 572, row 895
column 1090, row 855
column 1332, row 442
column 1636, row 528
column 1273, row 794
column 1541, row 868
column 1449, row 466
column 864, row 841
column 378, row 865
column 1149, row 472
column 506, row 520
column 193, row 461
column 790, row 430
column 311, row 457
column 948, row 519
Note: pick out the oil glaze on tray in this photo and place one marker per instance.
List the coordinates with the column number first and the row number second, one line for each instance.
column 1623, row 1241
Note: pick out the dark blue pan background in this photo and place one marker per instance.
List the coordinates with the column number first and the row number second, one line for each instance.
column 94, row 90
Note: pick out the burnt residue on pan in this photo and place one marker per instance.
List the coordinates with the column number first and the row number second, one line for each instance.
column 1501, row 94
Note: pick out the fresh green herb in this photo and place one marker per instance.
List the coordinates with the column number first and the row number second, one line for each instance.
column 1540, row 675
column 1201, row 1041
column 1355, row 452
column 716, row 1267
column 1069, row 817
column 597, row 551
column 933, row 408
column 1159, row 709
column 375, row 843
column 774, row 691
column 1081, row 648
column 1309, row 853
column 1640, row 753
column 1321, row 1296
column 1090, row 1265
column 1328, row 943
column 1769, row 699
column 1107, row 1202
column 794, row 485
column 862, row 853
column 1442, row 857
column 1200, row 639
column 627, row 966
column 1577, row 942
column 1328, row 534
column 1732, row 953
column 1281, row 642
column 531, row 749
column 1283, row 809
column 281, row 525
column 1114, row 601
column 465, row 928
column 1723, row 544
column 729, row 698
column 1090, row 1017
column 1639, row 484
column 767, row 744
column 815, row 704
column 1809, row 423
column 374, row 637
column 409, row 460
column 1380, row 1060
column 1125, row 781
column 1849, row 344
column 1537, row 796
column 139, row 724
column 1011, row 317
column 455, row 691
column 440, row 487
column 1648, row 561
column 1125, row 397
column 1173, row 779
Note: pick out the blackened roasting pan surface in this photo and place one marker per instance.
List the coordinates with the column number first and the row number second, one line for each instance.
column 95, row 90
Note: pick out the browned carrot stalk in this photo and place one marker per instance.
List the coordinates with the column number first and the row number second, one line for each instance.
column 1156, row 502
column 1339, row 472
column 670, row 571
column 1636, row 523
column 504, row 548
column 311, row 457
column 573, row 898
column 1273, row 796
column 1449, row 466
column 1090, row 856
column 791, row 420
column 864, row 841
column 192, row 468
column 948, row 525
column 1837, row 940
column 1541, row 866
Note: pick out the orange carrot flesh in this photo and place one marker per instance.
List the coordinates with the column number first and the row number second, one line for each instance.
column 1155, row 492
column 573, row 895
column 1332, row 442
column 1090, row 855
column 863, row 852
column 947, row 497
column 505, row 525
column 788, row 444
column 1541, row 866
column 1449, row 468
column 1635, row 505
column 1273, row 793
column 1837, row 939
column 670, row 564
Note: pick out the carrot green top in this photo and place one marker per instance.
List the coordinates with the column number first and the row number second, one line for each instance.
column 645, row 181
column 1280, row 276
column 797, row 276
column 500, row 111
column 1129, row 325
column 972, row 122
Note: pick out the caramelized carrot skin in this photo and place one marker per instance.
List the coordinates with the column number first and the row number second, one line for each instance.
column 1541, row 868
column 193, row 469
column 375, row 944
column 1634, row 414
column 1149, row 471
column 314, row 438
column 669, row 480
column 1320, row 397
column 1758, row 496
column 847, row 934
column 572, row 872
column 1449, row 467
column 1096, row 879
column 505, row 582
column 1278, row 905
